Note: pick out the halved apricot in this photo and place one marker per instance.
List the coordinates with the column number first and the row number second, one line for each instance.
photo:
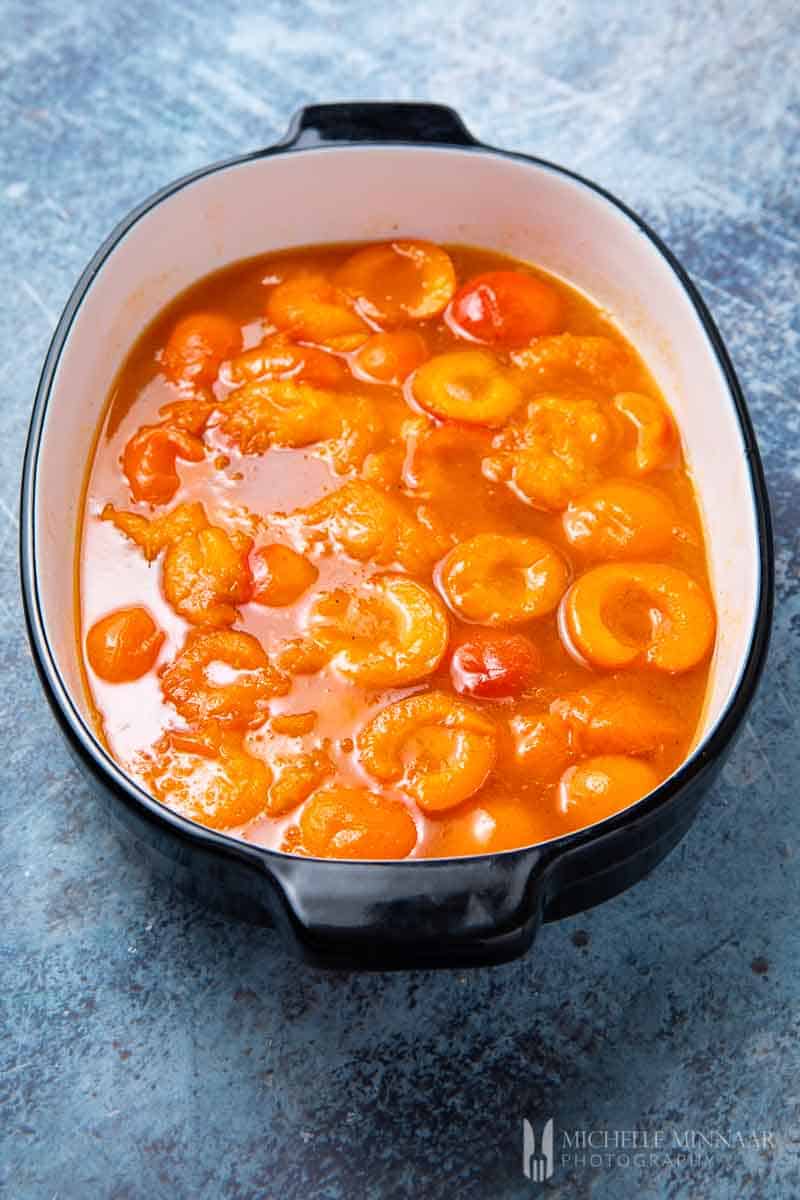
column 466, row 385
column 599, row 787
column 398, row 281
column 312, row 309
column 390, row 632
column 487, row 824
column 295, row 778
column 206, row 575
column 281, row 575
column 124, row 645
column 542, row 744
column 434, row 747
column 552, row 452
column 213, row 781
column 617, row 615
column 154, row 535
column 577, row 359
column 340, row 822
column 495, row 579
column 278, row 358
column 149, row 458
column 607, row 719
column 222, row 675
column 656, row 436
column 198, row 345
column 506, row 308
column 620, row 519
column 389, row 357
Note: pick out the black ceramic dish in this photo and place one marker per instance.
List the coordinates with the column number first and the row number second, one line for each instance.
column 391, row 914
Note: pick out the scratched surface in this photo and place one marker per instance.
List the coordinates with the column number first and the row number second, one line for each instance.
column 151, row 1049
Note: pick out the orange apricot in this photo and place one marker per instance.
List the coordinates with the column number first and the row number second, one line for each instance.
column 609, row 720
column 222, row 675
column 506, row 308
column 434, row 747
column 390, row 632
column 154, row 535
column 620, row 519
column 281, row 575
column 551, row 453
column 487, row 824
column 149, row 458
column 124, row 645
column 213, row 781
column 389, row 357
column 617, row 615
column 599, row 787
column 398, row 281
column 542, row 744
column 495, row 579
column 577, row 358
column 437, row 455
column 278, row 358
column 295, row 778
column 198, row 345
column 466, row 385
column 206, row 575
column 494, row 665
column 364, row 523
column 312, row 309
column 656, row 436
column 340, row 822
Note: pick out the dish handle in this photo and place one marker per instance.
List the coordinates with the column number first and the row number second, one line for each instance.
column 376, row 121
column 426, row 913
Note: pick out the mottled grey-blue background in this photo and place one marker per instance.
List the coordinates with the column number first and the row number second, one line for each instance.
column 151, row 1049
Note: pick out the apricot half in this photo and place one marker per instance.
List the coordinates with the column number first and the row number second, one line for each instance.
column 601, row 786
column 617, row 615
column 466, row 385
column 340, row 822
column 398, row 281
column 124, row 645
column 620, row 519
column 222, row 675
column 494, row 579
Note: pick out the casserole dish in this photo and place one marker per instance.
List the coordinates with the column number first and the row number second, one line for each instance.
column 420, row 912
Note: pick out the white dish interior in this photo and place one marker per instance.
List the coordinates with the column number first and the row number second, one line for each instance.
column 448, row 195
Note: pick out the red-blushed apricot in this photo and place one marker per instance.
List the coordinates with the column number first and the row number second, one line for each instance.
column 208, row 777
column 198, row 345
column 310, row 308
column 398, row 281
column 434, row 747
column 278, row 358
column 599, row 787
column 280, row 575
column 552, row 452
column 389, row 632
column 656, row 436
column 340, row 822
column 124, row 645
column 620, row 519
column 389, row 357
column 222, row 675
column 621, row 614
column 466, row 385
column 149, row 458
column 506, row 308
column 577, row 359
column 487, row 824
column 206, row 575
column 495, row 579
column 494, row 665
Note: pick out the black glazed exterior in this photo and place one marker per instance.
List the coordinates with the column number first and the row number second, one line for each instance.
column 415, row 913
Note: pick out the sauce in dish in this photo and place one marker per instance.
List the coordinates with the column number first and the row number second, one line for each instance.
column 391, row 551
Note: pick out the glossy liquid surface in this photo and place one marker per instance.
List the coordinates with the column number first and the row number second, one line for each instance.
column 570, row 737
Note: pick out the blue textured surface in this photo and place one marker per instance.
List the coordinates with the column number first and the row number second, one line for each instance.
column 152, row 1050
